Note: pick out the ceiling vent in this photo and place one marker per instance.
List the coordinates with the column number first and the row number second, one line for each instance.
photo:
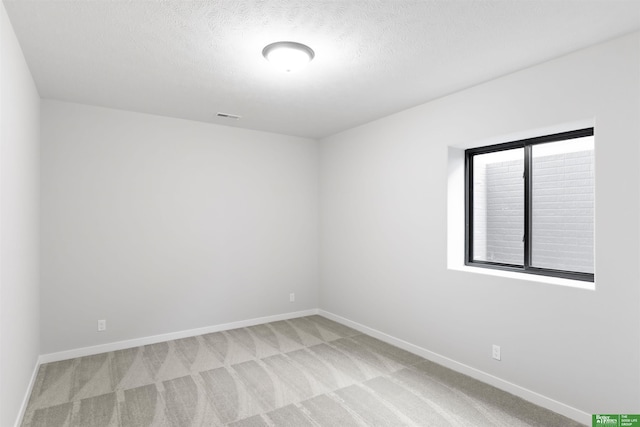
column 228, row 116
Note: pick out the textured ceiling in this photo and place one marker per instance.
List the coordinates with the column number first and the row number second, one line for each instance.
column 193, row 59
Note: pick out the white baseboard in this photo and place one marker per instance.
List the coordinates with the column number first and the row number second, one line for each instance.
column 531, row 396
column 136, row 342
column 25, row 400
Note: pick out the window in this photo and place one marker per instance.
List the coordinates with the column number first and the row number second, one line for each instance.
column 530, row 205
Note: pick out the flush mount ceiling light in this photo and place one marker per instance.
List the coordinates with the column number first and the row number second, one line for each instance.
column 288, row 56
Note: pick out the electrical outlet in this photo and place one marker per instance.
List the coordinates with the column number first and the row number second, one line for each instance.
column 292, row 297
column 102, row 325
column 496, row 352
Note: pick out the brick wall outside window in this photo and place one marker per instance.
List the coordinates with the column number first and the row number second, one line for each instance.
column 563, row 212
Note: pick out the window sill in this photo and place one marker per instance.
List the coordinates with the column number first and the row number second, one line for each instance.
column 579, row 284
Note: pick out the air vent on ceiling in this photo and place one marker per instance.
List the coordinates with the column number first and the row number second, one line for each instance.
column 228, row 116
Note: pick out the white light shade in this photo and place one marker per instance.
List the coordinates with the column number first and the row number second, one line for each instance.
column 288, row 56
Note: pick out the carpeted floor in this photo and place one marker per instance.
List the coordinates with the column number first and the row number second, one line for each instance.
column 308, row 371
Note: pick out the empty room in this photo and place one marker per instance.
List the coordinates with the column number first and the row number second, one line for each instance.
column 319, row 213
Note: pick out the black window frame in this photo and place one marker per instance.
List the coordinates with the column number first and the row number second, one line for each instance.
column 526, row 266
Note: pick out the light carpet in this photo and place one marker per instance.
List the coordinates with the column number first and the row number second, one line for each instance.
column 308, row 371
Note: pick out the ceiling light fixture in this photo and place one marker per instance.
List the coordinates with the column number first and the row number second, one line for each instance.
column 288, row 56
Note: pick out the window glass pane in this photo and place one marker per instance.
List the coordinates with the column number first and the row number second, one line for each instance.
column 498, row 207
column 563, row 205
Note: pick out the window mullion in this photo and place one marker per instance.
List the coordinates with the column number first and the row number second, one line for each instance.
column 468, row 208
column 528, row 208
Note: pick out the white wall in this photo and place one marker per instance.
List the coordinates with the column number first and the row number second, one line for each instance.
column 161, row 225
column 19, row 273
column 384, row 234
